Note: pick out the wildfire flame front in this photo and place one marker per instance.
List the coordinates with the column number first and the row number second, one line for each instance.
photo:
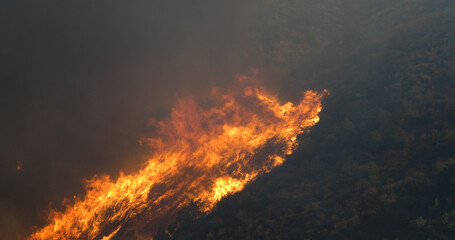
column 199, row 155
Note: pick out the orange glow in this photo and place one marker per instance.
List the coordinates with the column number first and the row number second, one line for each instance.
column 199, row 155
column 19, row 165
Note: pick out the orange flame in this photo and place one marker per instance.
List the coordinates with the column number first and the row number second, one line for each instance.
column 200, row 155
column 19, row 165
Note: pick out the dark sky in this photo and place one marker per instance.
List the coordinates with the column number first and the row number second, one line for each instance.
column 80, row 78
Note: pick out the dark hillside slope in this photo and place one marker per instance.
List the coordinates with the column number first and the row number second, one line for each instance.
column 380, row 164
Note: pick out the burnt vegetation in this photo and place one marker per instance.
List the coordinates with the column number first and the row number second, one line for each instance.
column 380, row 164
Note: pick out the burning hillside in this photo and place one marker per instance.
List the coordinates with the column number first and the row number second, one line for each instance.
column 199, row 155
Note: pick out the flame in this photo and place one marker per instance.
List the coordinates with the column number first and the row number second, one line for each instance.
column 199, row 155
column 19, row 165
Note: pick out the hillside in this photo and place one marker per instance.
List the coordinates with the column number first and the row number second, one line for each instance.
column 380, row 164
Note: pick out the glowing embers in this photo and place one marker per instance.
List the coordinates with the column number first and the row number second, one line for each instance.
column 199, row 155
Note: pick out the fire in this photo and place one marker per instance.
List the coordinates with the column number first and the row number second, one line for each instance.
column 199, row 155
column 19, row 165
